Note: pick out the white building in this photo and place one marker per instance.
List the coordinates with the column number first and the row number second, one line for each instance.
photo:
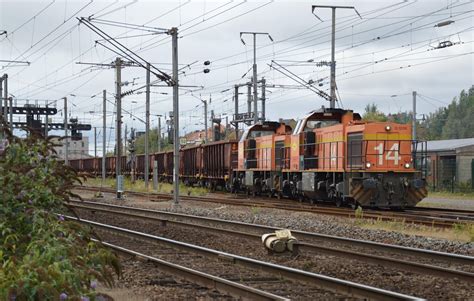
column 77, row 149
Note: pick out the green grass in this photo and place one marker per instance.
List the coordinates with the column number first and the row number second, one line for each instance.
column 139, row 186
column 458, row 232
column 450, row 195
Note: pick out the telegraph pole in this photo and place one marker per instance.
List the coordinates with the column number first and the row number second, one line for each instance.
column 159, row 133
column 333, row 59
column 131, row 149
column 236, row 104
column 46, row 123
column 263, row 98
column 118, row 98
column 147, row 126
column 414, row 117
column 254, row 78
column 249, row 98
column 95, row 142
column 125, row 140
column 333, row 47
column 205, row 120
column 5, row 97
column 11, row 114
column 104, row 129
column 66, row 149
column 212, row 126
column 174, row 40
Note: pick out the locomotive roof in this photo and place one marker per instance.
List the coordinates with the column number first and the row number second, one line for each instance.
column 323, row 113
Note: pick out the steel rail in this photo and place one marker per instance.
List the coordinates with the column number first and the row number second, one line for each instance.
column 234, row 289
column 442, row 210
column 333, row 284
column 370, row 214
column 420, row 253
column 389, row 262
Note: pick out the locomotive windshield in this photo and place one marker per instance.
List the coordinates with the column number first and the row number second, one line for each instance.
column 316, row 124
column 255, row 134
column 309, row 125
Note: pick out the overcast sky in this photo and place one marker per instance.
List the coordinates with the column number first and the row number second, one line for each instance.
column 381, row 57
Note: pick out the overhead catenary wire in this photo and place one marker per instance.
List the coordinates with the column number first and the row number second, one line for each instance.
column 298, row 73
column 53, row 30
column 29, row 20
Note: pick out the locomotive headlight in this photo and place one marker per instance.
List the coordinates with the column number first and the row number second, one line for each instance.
column 368, row 164
column 388, row 128
column 407, row 165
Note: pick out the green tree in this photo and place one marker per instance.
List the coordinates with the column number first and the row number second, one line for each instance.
column 42, row 255
column 153, row 143
column 454, row 121
column 371, row 113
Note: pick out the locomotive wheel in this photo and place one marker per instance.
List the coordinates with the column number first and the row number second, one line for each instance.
column 301, row 198
column 270, row 194
column 355, row 205
column 338, row 202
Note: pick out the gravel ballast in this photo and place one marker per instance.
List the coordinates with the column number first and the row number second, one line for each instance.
column 401, row 281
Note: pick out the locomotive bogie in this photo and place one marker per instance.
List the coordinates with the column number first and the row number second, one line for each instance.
column 388, row 190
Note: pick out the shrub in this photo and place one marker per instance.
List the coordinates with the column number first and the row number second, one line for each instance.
column 43, row 256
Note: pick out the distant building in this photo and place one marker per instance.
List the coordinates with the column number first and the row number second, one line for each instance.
column 290, row 122
column 450, row 163
column 198, row 137
column 77, row 149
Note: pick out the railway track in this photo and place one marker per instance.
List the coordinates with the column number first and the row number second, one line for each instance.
column 220, row 284
column 256, row 276
column 432, row 218
column 455, row 214
column 314, row 243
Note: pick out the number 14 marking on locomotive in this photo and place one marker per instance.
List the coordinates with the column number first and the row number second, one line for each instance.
column 392, row 154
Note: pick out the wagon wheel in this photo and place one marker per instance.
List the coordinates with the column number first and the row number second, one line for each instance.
column 301, row 198
column 228, row 187
column 332, row 195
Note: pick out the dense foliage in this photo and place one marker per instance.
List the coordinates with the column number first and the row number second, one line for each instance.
column 371, row 113
column 42, row 255
column 452, row 122
column 153, row 143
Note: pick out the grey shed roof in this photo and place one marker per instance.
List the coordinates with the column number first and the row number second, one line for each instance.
column 446, row 145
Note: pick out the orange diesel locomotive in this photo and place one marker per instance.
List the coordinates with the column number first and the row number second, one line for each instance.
column 332, row 155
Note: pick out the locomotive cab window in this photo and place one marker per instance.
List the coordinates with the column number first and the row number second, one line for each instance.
column 298, row 127
column 255, row 134
column 354, row 150
column 316, row 124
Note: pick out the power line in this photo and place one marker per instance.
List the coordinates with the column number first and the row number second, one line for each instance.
column 30, row 19
column 52, row 31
